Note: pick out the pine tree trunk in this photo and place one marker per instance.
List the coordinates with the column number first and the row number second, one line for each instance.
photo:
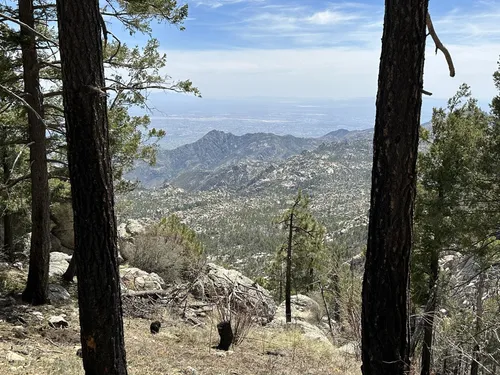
column 429, row 315
column 399, row 99
column 288, row 281
column 70, row 273
column 36, row 291
column 96, row 251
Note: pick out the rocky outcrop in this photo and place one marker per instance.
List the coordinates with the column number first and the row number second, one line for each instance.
column 62, row 216
column 138, row 280
column 127, row 231
column 305, row 317
column 218, row 283
column 59, row 263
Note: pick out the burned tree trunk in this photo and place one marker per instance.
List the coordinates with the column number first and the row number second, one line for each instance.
column 226, row 335
column 36, row 291
column 70, row 273
column 96, row 250
column 385, row 285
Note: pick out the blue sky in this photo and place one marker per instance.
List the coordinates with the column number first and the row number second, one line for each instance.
column 316, row 48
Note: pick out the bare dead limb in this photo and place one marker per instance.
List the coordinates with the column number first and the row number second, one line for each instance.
column 425, row 92
column 16, row 21
column 25, row 103
column 439, row 45
column 147, row 293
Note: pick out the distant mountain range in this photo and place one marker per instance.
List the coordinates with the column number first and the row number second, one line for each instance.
column 225, row 160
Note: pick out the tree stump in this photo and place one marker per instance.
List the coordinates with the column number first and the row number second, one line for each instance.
column 155, row 327
column 226, row 335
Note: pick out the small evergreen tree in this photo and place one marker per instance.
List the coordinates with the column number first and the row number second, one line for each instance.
column 445, row 216
column 302, row 256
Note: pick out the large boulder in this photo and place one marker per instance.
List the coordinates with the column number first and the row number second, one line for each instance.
column 58, row 263
column 139, row 280
column 217, row 283
column 62, row 216
column 127, row 231
column 133, row 227
column 306, row 317
column 58, row 295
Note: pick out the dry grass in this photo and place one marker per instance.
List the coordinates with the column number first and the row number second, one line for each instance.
column 175, row 350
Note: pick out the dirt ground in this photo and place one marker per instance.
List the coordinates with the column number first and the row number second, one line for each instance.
column 28, row 345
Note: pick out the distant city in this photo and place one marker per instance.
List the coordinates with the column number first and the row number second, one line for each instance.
column 186, row 119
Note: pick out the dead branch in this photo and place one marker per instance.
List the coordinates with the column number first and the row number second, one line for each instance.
column 439, row 45
column 25, row 103
column 22, row 24
column 147, row 293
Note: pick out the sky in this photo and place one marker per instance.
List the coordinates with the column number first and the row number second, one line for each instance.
column 319, row 49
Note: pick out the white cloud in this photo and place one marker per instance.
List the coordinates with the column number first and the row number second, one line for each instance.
column 328, row 17
column 288, row 25
column 219, row 3
column 339, row 73
column 334, row 52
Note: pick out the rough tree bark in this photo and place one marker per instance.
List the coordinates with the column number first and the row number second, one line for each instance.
column 225, row 334
column 36, row 291
column 70, row 273
column 96, row 252
column 385, row 285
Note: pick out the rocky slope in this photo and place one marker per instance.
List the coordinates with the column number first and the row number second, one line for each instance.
column 232, row 207
column 219, row 149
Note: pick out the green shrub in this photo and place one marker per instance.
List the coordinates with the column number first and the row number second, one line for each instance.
column 170, row 248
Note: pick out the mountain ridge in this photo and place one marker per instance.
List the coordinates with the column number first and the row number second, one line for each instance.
column 218, row 149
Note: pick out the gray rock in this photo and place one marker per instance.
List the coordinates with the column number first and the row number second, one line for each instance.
column 305, row 317
column 14, row 357
column 350, row 348
column 122, row 231
column 217, row 282
column 58, row 321
column 57, row 294
column 126, row 248
column 189, row 371
column 304, row 309
column 59, row 262
column 37, row 314
column 62, row 216
column 136, row 279
column 135, row 227
column 55, row 243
